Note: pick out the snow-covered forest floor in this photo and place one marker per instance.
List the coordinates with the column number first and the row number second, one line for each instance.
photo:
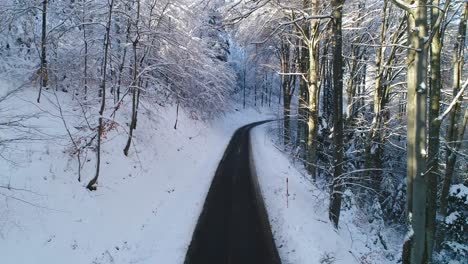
column 301, row 227
column 147, row 204
column 114, row 116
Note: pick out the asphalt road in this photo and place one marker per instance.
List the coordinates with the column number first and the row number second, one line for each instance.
column 233, row 227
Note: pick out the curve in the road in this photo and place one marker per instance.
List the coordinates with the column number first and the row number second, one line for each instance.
column 233, row 227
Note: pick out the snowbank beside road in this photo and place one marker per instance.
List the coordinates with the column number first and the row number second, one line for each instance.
column 302, row 230
column 301, row 227
column 146, row 205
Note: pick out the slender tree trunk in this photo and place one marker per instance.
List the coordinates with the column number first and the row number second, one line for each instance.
column 374, row 148
column 255, row 93
column 286, row 85
column 134, row 88
column 338, row 151
column 244, row 79
column 44, row 71
column 454, row 131
column 355, row 69
column 303, row 51
column 85, row 65
column 85, row 40
column 92, row 184
column 313, row 89
column 135, row 84
column 327, row 98
column 434, row 129
column 351, row 85
column 122, row 64
column 271, row 91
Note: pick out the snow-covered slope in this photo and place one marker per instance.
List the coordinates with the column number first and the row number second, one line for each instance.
column 302, row 230
column 146, row 205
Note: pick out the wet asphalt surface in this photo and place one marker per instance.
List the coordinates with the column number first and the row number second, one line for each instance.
column 233, row 227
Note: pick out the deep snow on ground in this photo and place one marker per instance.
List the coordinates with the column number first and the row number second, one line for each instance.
column 146, row 205
column 300, row 224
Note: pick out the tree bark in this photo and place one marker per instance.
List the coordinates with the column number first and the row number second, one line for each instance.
column 92, row 184
column 416, row 127
column 44, row 71
column 454, row 131
column 337, row 42
column 313, row 88
column 434, row 128
column 384, row 65
column 135, row 88
column 122, row 65
column 287, row 91
column 85, row 40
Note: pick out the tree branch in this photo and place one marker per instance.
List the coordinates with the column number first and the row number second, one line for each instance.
column 454, row 102
column 403, row 5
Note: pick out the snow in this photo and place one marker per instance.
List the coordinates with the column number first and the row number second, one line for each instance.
column 451, row 218
column 146, row 205
column 460, row 191
column 459, row 248
column 302, row 230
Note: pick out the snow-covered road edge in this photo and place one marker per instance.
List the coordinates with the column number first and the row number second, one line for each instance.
column 302, row 230
column 146, row 205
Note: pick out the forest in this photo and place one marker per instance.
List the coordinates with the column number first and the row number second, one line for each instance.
column 102, row 99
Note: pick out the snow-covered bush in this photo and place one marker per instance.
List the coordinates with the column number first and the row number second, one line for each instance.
column 456, row 224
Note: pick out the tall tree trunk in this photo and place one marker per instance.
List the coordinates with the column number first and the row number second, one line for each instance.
column 44, row 71
column 92, row 184
column 303, row 50
column 262, row 92
column 271, row 90
column 122, row 64
column 135, row 83
column 244, row 81
column 255, row 93
column 362, row 85
column 325, row 83
column 85, row 40
column 355, row 69
column 416, row 129
column 434, row 127
column 417, row 118
column 287, row 91
column 384, row 65
column 338, row 151
column 453, row 130
column 352, row 84
column 313, row 88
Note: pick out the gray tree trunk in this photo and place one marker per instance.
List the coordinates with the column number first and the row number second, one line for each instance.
column 287, row 91
column 416, row 129
column 434, row 125
column 313, row 88
column 92, row 184
column 135, row 83
column 44, row 71
column 338, row 151
column 453, row 130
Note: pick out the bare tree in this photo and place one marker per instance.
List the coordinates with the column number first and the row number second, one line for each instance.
column 135, row 83
column 100, row 130
column 455, row 130
column 338, row 152
column 44, row 71
column 414, row 250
